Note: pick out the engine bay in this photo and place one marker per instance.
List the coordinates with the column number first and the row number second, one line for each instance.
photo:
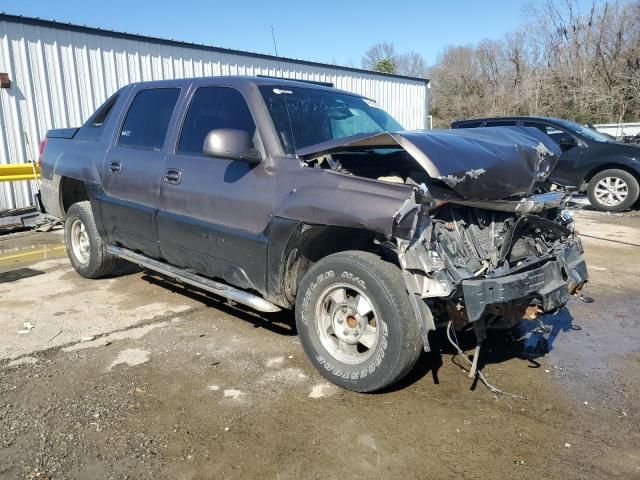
column 390, row 165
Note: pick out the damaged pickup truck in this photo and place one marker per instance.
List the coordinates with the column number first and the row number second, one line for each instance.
column 278, row 194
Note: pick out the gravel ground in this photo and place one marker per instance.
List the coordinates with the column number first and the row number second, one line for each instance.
column 134, row 377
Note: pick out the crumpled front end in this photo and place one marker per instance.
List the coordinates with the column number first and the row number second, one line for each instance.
column 478, row 242
column 475, row 164
column 495, row 262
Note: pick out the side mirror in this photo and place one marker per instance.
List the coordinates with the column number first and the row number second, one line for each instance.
column 567, row 142
column 230, row 143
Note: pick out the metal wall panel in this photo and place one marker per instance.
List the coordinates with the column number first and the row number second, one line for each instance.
column 61, row 74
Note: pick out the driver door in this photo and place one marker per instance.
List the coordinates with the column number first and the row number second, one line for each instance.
column 564, row 171
column 214, row 212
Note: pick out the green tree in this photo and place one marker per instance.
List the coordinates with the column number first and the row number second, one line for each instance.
column 386, row 65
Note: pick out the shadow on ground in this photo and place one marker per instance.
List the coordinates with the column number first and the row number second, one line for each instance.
column 282, row 322
column 527, row 341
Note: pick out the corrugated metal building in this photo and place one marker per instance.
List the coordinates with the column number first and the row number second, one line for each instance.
column 60, row 73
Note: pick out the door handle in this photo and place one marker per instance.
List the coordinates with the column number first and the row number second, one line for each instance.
column 172, row 176
column 115, row 167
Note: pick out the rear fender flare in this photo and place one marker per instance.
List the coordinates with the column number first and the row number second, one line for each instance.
column 77, row 167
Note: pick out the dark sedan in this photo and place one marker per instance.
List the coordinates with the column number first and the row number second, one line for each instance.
column 607, row 170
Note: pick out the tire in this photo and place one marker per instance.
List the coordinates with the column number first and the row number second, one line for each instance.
column 625, row 190
column 85, row 248
column 332, row 308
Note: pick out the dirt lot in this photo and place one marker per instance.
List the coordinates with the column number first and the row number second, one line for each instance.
column 134, row 377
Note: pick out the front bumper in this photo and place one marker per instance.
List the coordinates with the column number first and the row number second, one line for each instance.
column 551, row 283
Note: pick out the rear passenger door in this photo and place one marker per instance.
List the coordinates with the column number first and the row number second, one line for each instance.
column 133, row 170
column 215, row 211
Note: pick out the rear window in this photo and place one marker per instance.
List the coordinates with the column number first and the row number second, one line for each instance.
column 148, row 118
column 103, row 112
column 94, row 127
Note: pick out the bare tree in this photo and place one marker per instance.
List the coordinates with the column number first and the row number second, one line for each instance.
column 412, row 64
column 377, row 53
column 382, row 55
column 566, row 61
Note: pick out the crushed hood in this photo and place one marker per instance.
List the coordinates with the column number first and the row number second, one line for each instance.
column 478, row 164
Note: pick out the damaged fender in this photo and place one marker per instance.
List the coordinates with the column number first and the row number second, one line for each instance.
column 339, row 200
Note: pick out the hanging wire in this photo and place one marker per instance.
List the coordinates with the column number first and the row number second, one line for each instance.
column 479, row 374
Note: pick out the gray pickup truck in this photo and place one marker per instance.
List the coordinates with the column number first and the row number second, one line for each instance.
column 278, row 194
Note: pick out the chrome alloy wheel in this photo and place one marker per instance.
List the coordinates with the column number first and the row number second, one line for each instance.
column 347, row 324
column 80, row 241
column 611, row 191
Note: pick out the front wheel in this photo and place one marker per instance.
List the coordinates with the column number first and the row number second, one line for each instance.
column 355, row 321
column 85, row 248
column 613, row 190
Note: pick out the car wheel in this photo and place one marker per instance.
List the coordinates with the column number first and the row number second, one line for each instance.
column 85, row 248
column 613, row 190
column 355, row 321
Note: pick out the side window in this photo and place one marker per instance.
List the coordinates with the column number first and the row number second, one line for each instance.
column 213, row 108
column 556, row 135
column 148, row 119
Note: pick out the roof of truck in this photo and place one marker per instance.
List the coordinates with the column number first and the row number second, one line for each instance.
column 238, row 80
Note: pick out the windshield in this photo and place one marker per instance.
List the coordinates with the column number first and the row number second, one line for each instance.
column 587, row 132
column 310, row 116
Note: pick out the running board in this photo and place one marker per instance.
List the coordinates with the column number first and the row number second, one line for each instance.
column 226, row 291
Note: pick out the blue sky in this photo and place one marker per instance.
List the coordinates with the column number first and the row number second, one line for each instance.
column 324, row 31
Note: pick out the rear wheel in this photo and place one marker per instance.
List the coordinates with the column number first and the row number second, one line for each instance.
column 85, row 248
column 613, row 190
column 355, row 321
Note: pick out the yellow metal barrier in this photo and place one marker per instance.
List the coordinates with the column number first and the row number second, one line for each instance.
column 18, row 171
